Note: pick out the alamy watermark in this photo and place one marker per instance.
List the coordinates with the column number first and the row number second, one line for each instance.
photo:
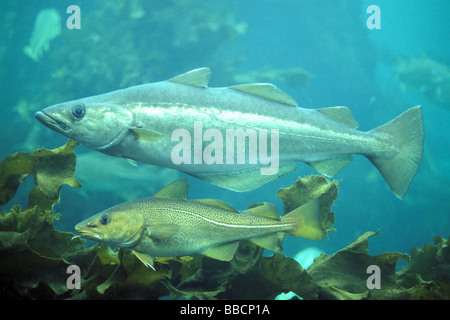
column 73, row 281
column 235, row 153
column 374, row 280
column 74, row 20
column 374, row 20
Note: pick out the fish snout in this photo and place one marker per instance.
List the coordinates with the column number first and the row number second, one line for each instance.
column 51, row 122
column 89, row 230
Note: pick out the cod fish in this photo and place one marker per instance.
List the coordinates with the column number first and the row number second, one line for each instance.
column 168, row 225
column 140, row 122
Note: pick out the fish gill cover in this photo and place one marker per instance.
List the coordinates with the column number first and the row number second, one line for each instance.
column 35, row 256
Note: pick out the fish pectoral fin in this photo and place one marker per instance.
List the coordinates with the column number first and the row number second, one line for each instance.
column 244, row 180
column 223, row 252
column 145, row 135
column 162, row 231
column 265, row 209
column 340, row 114
column 145, row 259
column 178, row 189
column 216, row 203
column 267, row 91
column 271, row 241
column 331, row 167
column 197, row 78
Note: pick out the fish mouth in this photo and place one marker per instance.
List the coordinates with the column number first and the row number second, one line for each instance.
column 50, row 122
column 89, row 234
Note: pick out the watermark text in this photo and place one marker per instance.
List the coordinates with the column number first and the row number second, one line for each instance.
column 237, row 151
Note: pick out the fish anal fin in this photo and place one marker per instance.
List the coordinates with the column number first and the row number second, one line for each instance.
column 265, row 209
column 267, row 91
column 216, row 203
column 144, row 258
column 197, row 78
column 270, row 242
column 245, row 180
column 178, row 189
column 162, row 231
column 331, row 167
column 149, row 136
column 223, row 252
column 340, row 114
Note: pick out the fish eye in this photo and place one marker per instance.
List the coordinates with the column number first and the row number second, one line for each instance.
column 104, row 220
column 78, row 111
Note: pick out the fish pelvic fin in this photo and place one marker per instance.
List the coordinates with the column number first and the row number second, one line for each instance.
column 306, row 220
column 407, row 130
column 145, row 259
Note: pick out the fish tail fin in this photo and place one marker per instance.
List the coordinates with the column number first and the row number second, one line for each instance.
column 407, row 130
column 307, row 221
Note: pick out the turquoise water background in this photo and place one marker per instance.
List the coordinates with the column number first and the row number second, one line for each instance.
column 124, row 43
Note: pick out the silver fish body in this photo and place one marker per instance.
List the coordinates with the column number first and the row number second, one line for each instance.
column 139, row 123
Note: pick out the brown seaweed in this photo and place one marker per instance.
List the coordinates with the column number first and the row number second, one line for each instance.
column 51, row 170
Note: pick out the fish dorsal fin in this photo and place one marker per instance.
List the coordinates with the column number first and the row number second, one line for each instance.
column 175, row 190
column 197, row 78
column 265, row 209
column 223, row 252
column 340, row 114
column 216, row 203
column 267, row 91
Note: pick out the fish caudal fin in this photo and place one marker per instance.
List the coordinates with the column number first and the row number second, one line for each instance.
column 307, row 220
column 407, row 131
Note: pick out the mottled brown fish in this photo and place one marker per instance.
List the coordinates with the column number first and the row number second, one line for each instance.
column 168, row 225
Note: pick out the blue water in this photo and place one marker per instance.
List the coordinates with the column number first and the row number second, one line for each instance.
column 350, row 65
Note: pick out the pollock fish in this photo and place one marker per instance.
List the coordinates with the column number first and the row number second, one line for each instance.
column 139, row 122
column 168, row 225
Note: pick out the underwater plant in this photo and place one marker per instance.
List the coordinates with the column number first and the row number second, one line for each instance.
column 51, row 170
